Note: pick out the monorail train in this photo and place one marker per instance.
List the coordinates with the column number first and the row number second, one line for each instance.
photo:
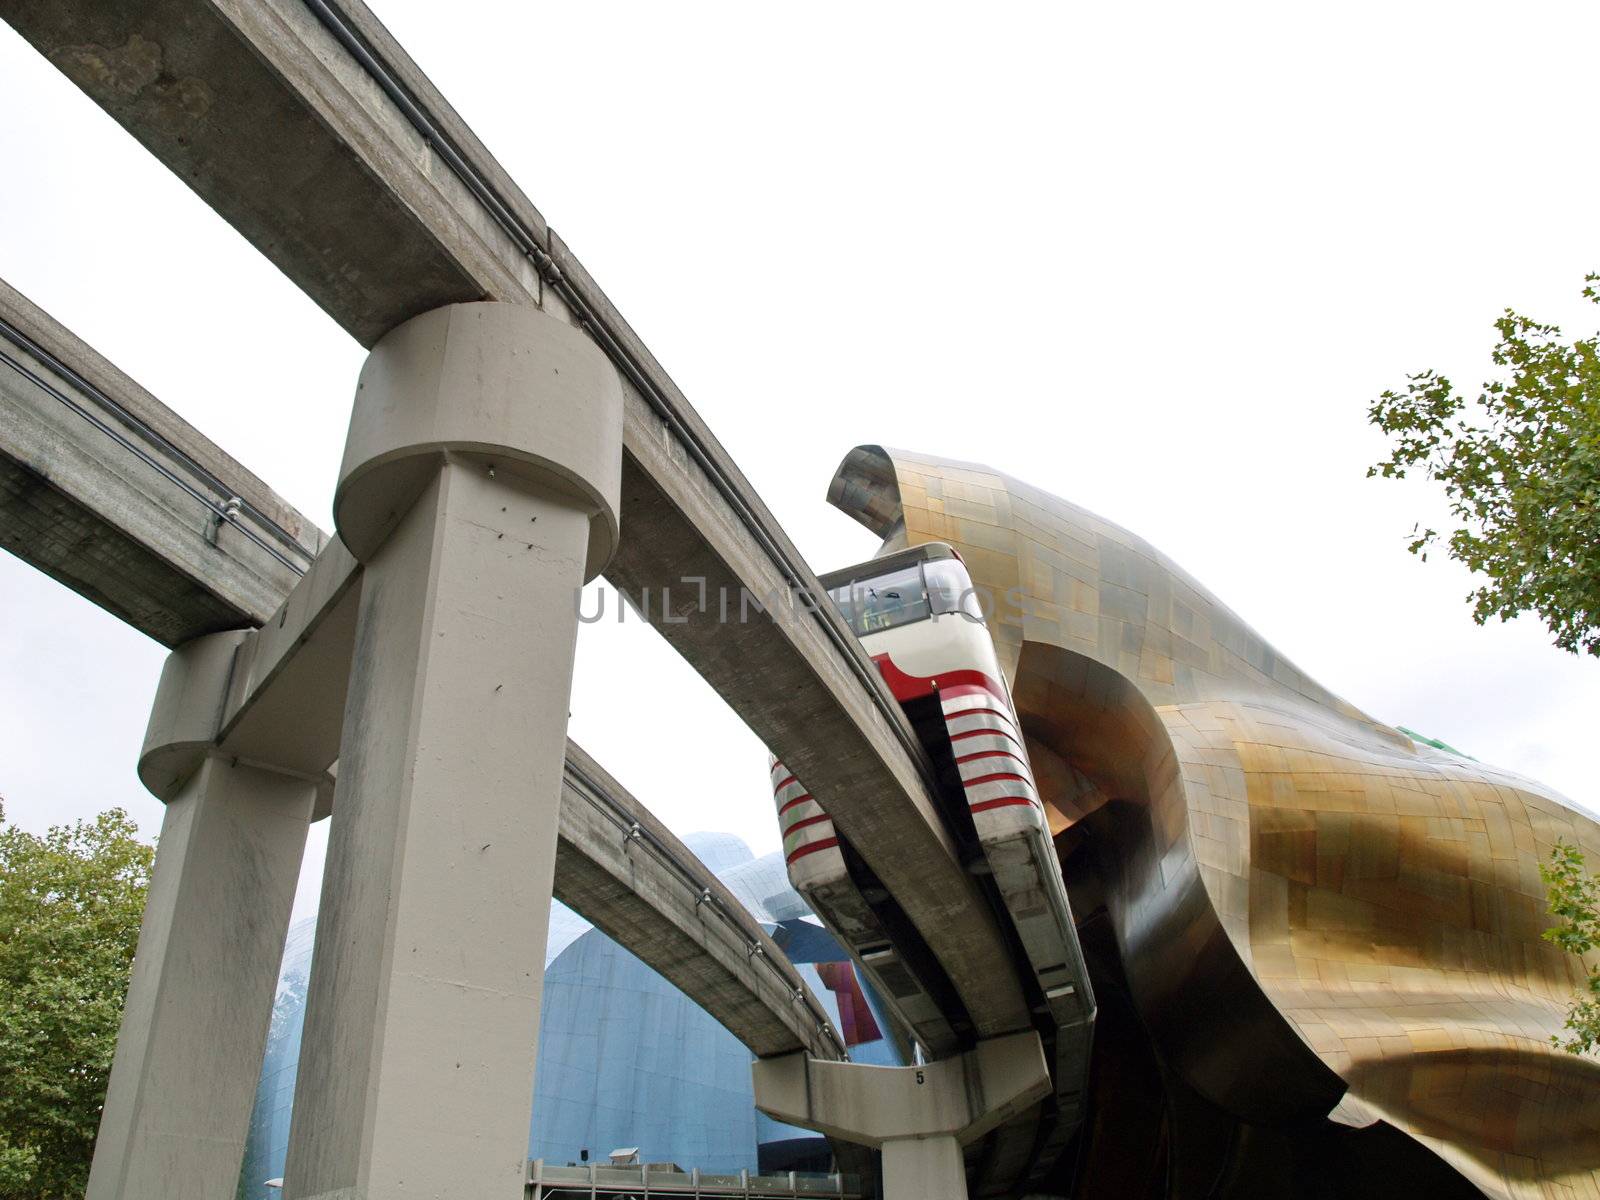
column 919, row 620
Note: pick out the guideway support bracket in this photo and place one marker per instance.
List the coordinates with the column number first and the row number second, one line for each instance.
column 919, row 1116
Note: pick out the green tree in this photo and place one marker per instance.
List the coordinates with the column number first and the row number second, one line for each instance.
column 70, row 905
column 1575, row 898
column 1520, row 466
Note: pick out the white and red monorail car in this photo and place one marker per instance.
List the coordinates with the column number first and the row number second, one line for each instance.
column 919, row 620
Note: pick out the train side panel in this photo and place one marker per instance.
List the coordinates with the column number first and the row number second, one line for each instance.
column 953, row 658
column 816, row 864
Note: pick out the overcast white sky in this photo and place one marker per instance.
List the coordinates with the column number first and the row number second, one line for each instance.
column 1157, row 259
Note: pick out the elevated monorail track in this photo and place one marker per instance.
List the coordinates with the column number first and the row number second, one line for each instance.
column 408, row 211
column 316, row 100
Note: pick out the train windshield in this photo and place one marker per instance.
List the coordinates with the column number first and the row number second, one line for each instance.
column 884, row 601
column 950, row 589
column 916, row 584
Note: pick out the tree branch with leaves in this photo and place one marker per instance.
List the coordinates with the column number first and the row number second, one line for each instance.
column 1574, row 896
column 1520, row 467
column 70, row 906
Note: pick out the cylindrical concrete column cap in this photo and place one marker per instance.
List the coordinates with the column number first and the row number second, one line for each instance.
column 503, row 384
column 187, row 711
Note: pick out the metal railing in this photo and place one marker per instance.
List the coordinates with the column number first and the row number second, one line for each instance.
column 593, row 1180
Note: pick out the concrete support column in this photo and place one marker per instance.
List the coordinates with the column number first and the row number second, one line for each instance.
column 923, row 1168
column 480, row 490
column 195, row 1024
column 920, row 1116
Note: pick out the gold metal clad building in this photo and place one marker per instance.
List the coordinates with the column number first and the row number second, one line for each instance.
column 1326, row 935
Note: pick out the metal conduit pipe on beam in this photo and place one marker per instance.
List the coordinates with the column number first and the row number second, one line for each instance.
column 108, row 491
column 411, row 213
column 223, row 505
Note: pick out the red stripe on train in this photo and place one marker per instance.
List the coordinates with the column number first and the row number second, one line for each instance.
column 963, row 689
column 979, row 712
column 972, row 733
column 801, row 824
column 991, row 778
column 812, row 848
column 1001, row 802
column 966, row 758
column 908, row 687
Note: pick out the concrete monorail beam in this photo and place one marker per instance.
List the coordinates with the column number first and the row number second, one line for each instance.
column 108, row 491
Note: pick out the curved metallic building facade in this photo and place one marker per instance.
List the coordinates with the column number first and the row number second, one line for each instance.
column 1327, row 935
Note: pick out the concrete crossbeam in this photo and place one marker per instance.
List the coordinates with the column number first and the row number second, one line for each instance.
column 361, row 183
column 105, row 489
column 921, row 1116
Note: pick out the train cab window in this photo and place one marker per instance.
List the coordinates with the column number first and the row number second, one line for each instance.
column 950, row 589
column 873, row 605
